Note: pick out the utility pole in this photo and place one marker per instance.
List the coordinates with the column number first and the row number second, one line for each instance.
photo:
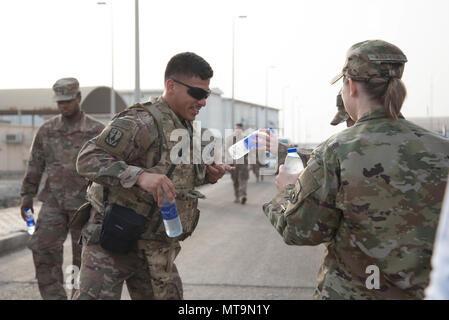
column 137, row 94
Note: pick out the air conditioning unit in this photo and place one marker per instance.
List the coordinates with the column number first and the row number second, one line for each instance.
column 13, row 138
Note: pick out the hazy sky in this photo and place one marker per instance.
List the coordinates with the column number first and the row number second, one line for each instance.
column 298, row 46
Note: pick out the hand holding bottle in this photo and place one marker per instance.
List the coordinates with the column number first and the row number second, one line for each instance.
column 170, row 216
column 23, row 212
column 290, row 170
column 157, row 185
column 264, row 139
column 267, row 140
column 30, row 221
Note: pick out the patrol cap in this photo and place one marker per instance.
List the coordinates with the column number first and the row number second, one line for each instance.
column 341, row 115
column 66, row 89
column 372, row 59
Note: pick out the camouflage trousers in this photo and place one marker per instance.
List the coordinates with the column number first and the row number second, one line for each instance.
column 47, row 243
column 256, row 170
column 240, row 178
column 149, row 272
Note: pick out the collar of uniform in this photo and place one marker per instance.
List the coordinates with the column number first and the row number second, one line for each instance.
column 80, row 125
column 165, row 108
column 374, row 114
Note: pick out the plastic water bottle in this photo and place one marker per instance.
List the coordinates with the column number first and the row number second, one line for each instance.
column 172, row 223
column 30, row 221
column 244, row 146
column 293, row 163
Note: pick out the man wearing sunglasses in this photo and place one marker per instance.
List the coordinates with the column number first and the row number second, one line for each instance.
column 130, row 163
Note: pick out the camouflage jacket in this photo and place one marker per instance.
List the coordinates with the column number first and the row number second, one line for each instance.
column 54, row 151
column 372, row 194
column 129, row 145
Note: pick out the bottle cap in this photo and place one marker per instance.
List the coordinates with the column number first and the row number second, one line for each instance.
column 291, row 150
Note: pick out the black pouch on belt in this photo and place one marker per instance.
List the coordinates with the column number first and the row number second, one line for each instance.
column 121, row 228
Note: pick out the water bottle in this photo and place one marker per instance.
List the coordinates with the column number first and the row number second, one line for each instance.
column 244, row 146
column 293, row 163
column 30, row 221
column 172, row 223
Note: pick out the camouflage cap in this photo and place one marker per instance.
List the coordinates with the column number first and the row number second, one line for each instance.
column 341, row 115
column 66, row 89
column 372, row 59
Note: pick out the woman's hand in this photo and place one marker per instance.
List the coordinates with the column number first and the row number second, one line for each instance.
column 283, row 178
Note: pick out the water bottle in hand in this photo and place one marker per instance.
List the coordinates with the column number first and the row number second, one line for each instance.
column 244, row 146
column 172, row 223
column 30, row 221
column 293, row 163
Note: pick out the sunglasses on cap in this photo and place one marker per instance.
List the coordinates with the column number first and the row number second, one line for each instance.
column 195, row 92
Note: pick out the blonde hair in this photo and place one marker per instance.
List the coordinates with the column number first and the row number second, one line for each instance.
column 389, row 90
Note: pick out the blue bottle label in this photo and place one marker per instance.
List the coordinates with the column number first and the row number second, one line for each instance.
column 169, row 212
column 250, row 142
column 30, row 222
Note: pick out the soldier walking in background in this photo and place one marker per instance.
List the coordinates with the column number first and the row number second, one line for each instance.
column 240, row 175
column 256, row 170
column 54, row 151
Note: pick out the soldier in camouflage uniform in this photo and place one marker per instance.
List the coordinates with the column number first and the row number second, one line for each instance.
column 240, row 175
column 341, row 115
column 54, row 151
column 371, row 193
column 130, row 158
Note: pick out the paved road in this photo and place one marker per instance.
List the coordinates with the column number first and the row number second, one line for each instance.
column 233, row 254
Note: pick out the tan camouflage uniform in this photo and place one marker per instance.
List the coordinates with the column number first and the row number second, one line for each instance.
column 54, row 151
column 256, row 170
column 135, row 141
column 372, row 195
column 240, row 175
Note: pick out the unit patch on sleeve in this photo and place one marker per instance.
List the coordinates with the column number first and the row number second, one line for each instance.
column 113, row 137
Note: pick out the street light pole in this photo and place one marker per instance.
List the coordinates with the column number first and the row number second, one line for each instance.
column 266, row 83
column 137, row 88
column 284, row 109
column 233, row 70
column 112, row 92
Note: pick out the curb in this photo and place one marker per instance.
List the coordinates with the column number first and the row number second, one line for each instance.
column 13, row 242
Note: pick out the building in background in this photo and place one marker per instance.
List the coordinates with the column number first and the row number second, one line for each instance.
column 218, row 111
column 22, row 111
column 33, row 106
column 439, row 125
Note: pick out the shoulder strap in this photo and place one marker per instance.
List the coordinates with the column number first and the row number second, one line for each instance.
column 158, row 117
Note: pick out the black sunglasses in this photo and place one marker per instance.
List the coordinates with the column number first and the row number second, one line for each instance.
column 195, row 92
